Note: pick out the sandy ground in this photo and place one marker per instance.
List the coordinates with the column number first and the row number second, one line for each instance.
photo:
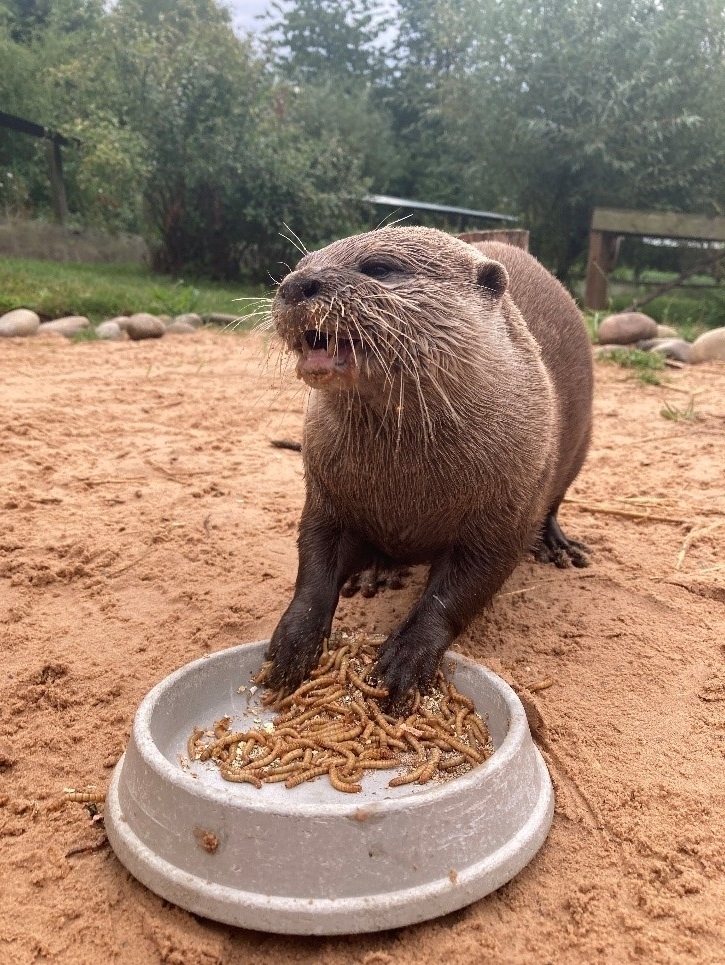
column 145, row 520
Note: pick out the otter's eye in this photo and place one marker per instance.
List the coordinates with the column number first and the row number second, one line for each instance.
column 378, row 268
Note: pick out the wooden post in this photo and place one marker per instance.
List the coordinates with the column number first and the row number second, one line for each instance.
column 57, row 187
column 603, row 250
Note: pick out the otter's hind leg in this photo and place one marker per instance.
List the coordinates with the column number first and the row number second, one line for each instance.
column 555, row 547
column 381, row 574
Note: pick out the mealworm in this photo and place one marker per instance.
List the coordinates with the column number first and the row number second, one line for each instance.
column 480, row 727
column 375, row 764
column 305, row 776
column 395, row 732
column 323, row 668
column 258, row 762
column 431, row 767
column 196, row 734
column 366, row 689
column 460, row 717
column 415, row 745
column 211, row 750
column 221, row 727
column 332, row 724
column 342, row 652
column 240, row 777
column 460, row 698
column 358, row 709
column 444, row 708
column 408, row 778
column 303, row 742
column 292, row 755
column 342, row 785
column 453, row 762
column 334, row 708
column 285, row 769
column 85, row 797
column 438, row 723
column 461, row 748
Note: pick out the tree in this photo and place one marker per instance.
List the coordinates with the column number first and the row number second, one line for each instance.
column 311, row 40
column 225, row 168
column 554, row 106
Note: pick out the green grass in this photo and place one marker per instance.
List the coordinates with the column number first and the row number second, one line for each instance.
column 654, row 276
column 675, row 414
column 54, row 289
column 645, row 365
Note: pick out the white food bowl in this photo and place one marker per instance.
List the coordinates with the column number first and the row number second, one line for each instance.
column 311, row 860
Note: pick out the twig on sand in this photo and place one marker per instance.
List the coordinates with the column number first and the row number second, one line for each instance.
column 89, row 848
column 691, row 537
column 627, row 513
column 177, row 477
column 535, row 586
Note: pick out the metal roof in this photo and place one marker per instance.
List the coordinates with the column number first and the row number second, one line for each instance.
column 392, row 202
column 22, row 126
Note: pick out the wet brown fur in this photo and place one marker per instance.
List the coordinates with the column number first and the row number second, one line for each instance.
column 466, row 419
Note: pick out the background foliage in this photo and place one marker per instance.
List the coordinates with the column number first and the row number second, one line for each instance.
column 209, row 143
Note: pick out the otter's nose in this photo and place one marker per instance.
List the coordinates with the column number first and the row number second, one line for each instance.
column 297, row 288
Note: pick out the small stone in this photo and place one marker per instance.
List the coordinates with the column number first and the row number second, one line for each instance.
column 142, row 325
column 190, row 318
column 709, row 347
column 111, row 331
column 21, row 321
column 120, row 320
column 626, row 328
column 69, row 325
column 666, row 331
column 8, row 757
column 177, row 327
column 218, row 318
column 672, row 348
column 166, row 319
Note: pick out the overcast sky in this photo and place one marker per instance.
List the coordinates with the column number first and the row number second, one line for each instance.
column 245, row 11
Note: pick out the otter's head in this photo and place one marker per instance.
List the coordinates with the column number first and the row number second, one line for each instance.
column 392, row 304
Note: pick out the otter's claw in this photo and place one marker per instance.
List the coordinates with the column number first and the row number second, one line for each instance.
column 294, row 650
column 402, row 668
column 369, row 581
column 555, row 547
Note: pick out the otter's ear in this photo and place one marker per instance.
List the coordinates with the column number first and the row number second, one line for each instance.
column 493, row 277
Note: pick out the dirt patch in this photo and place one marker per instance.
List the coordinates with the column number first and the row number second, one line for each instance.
column 145, row 520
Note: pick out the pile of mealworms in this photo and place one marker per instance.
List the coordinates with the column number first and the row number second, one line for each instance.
column 333, row 724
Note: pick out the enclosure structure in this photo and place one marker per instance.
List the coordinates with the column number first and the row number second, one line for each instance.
column 455, row 218
column 610, row 224
column 54, row 141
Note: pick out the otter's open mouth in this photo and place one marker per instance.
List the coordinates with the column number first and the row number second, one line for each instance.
column 325, row 358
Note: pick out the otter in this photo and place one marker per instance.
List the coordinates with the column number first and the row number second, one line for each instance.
column 450, row 412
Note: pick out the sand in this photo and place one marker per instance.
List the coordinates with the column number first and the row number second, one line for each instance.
column 145, row 520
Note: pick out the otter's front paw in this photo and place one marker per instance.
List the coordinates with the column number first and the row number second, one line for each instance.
column 403, row 667
column 294, row 652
